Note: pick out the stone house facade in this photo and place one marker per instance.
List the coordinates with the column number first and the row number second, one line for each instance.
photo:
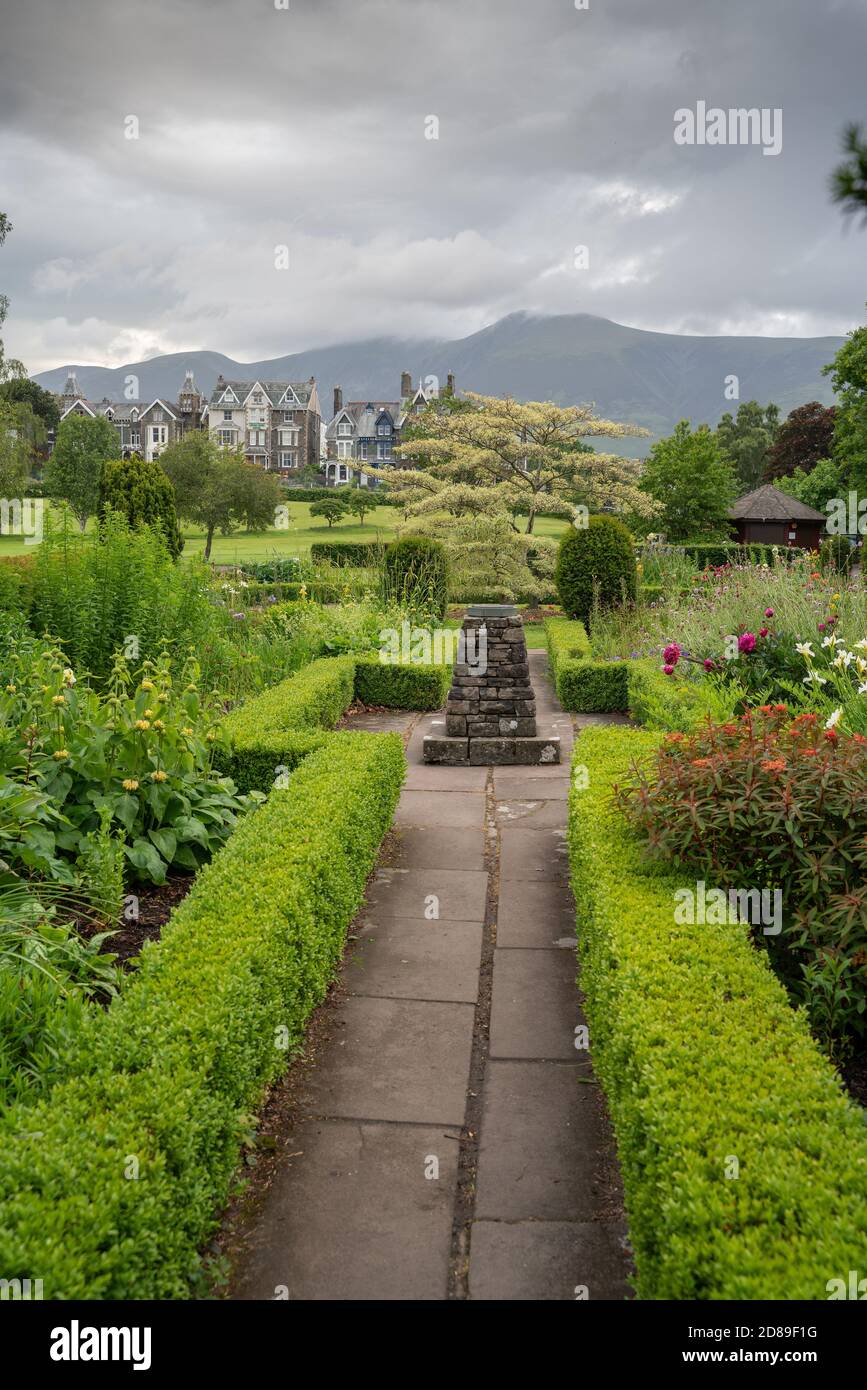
column 275, row 423
column 370, row 431
column 143, row 429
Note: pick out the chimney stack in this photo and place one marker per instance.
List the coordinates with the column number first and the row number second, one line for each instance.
column 338, row 400
column 405, row 385
column 450, row 384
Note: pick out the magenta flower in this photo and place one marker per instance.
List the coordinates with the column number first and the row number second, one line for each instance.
column 821, row 627
column 668, row 670
column 708, row 664
column 769, row 612
column 747, row 642
column 763, row 631
column 671, row 655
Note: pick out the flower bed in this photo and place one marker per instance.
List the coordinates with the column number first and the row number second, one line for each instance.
column 703, row 1061
column 111, row 1184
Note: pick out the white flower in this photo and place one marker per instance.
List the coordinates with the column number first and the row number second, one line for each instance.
column 862, row 689
column 68, row 676
column 829, row 723
column 843, row 659
column 830, row 641
column 804, row 648
column 815, row 679
column 862, row 645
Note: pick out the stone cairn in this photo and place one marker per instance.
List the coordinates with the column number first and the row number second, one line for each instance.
column 491, row 709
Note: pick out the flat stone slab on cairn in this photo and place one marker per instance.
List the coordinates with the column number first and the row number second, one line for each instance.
column 491, row 709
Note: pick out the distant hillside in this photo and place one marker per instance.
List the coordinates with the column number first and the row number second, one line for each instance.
column 651, row 379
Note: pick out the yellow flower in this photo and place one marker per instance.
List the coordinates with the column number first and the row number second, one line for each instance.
column 45, row 689
column 11, row 689
column 142, row 724
column 130, row 784
column 68, row 676
column 148, row 714
column 162, row 698
column 147, row 685
column 159, row 776
column 158, row 724
column 60, row 755
column 59, row 700
column 187, row 730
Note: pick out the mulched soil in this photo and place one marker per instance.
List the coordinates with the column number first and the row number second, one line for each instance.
column 155, row 904
column 854, row 1075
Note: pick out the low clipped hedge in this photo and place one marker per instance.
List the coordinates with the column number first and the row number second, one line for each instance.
column 717, row 553
column 702, row 1058
column 583, row 685
column 110, row 1185
column 363, row 554
column 397, row 686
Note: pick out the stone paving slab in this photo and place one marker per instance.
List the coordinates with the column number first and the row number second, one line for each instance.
column 461, row 893
column 528, row 814
column 410, row 959
column 428, row 778
column 395, row 1059
column 429, row 847
column 352, row 1215
column 547, row 1260
column 535, row 1007
column 441, row 808
column 511, row 782
column 536, row 855
column 535, row 914
column 542, row 1137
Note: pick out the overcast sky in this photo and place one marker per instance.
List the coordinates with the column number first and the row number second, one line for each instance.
column 306, row 127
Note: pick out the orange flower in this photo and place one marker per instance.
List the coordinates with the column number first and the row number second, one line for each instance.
column 701, row 762
column 774, row 765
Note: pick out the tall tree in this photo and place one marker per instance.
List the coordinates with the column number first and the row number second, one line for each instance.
column 848, row 373
column 216, row 488
column 141, row 491
column 73, row 473
column 21, row 390
column 693, row 481
column 15, row 452
column 849, row 179
column 816, row 487
column 9, row 366
column 805, row 436
column 491, row 456
column 746, row 439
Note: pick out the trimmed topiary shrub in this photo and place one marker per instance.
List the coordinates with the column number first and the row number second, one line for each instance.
column 416, row 572
column 142, row 493
column 595, row 564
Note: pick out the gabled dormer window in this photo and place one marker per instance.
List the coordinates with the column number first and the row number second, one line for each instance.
column 344, row 427
column 383, row 429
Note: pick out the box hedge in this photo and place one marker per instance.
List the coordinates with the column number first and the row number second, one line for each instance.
column 364, row 554
column 716, row 553
column 396, row 686
column 703, row 1061
column 110, row 1185
column 583, row 685
column 595, row 564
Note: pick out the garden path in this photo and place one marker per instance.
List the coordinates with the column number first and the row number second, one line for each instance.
column 449, row 1141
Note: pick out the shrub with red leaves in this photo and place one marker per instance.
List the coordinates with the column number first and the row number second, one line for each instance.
column 770, row 801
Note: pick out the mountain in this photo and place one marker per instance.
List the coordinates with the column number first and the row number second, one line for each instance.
column 646, row 378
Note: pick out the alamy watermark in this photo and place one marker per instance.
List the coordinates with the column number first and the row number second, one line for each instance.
column 741, row 125
column 22, row 516
column 437, row 646
column 758, row 907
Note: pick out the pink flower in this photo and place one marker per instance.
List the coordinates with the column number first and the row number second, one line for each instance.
column 671, row 655
column 769, row 612
column 763, row 631
column 708, row 664
column 746, row 642
column 821, row 627
column 668, row 670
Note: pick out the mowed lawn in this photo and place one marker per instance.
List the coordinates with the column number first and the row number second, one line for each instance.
column 379, row 524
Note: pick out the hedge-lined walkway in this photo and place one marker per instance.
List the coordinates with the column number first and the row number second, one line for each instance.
column 450, row 1141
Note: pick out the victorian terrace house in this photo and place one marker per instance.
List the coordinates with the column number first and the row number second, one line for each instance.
column 369, row 431
column 275, row 423
column 143, row 429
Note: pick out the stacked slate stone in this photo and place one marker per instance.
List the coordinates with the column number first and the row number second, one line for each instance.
column 491, row 709
column 500, row 703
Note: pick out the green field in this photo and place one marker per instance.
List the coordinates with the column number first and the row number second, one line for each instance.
column 380, row 524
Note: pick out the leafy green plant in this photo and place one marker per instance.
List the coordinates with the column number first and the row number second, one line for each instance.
column 416, row 576
column 787, row 798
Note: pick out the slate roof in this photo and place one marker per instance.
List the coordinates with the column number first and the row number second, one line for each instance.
column 274, row 390
column 768, row 503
